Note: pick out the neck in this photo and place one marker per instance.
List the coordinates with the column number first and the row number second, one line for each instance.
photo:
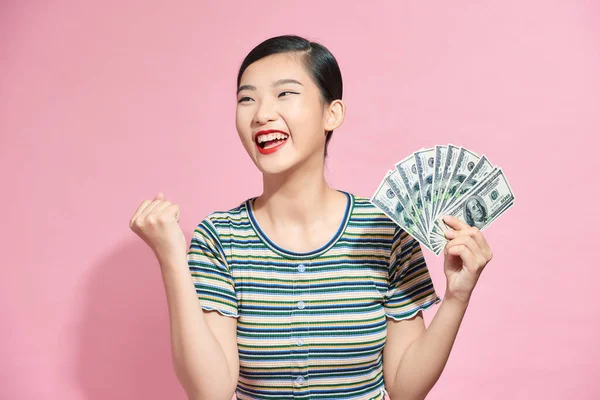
column 298, row 196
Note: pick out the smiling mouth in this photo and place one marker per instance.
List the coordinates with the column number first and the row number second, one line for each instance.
column 270, row 140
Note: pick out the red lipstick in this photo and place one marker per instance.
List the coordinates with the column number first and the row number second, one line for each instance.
column 270, row 149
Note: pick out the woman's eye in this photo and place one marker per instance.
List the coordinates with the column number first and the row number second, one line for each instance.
column 243, row 99
column 280, row 94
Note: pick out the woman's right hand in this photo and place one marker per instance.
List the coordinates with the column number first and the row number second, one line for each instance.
column 157, row 223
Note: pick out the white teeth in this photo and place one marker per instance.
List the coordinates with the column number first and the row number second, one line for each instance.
column 271, row 136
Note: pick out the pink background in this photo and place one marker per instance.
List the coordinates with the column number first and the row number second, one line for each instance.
column 102, row 106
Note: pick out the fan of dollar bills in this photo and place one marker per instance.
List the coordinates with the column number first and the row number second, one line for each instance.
column 438, row 181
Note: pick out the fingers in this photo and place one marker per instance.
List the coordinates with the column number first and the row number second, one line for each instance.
column 158, row 204
column 148, row 210
column 161, row 206
column 476, row 235
column 170, row 211
column 138, row 212
column 158, row 199
column 470, row 231
column 455, row 223
column 465, row 254
column 475, row 257
column 466, row 241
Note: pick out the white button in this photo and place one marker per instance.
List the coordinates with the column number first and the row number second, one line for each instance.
column 299, row 342
column 301, row 268
column 301, row 304
column 300, row 380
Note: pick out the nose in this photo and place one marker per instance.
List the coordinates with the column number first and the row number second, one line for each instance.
column 265, row 113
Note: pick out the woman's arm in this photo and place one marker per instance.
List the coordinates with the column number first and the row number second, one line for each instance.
column 414, row 357
column 204, row 344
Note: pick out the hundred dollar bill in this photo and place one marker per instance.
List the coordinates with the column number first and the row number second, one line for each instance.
column 395, row 181
column 424, row 160
column 437, row 242
column 387, row 201
column 483, row 204
column 407, row 169
column 465, row 162
column 440, row 225
column 436, row 239
column 438, row 247
column 436, row 236
column 479, row 172
column 449, row 164
column 440, row 159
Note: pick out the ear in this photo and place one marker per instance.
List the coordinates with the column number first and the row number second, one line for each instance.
column 334, row 115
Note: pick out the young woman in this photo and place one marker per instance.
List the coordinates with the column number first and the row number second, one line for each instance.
column 306, row 292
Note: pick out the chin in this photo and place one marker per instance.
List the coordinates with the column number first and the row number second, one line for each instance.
column 283, row 161
column 275, row 167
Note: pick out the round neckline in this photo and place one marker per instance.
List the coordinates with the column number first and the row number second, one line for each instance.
column 310, row 254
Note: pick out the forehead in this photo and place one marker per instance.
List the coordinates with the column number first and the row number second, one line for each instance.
column 274, row 67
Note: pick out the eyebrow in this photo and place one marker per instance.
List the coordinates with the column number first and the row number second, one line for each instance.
column 276, row 83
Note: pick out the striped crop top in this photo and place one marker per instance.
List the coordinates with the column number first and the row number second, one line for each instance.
column 310, row 325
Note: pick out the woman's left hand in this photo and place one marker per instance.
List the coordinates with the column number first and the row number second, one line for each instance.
column 466, row 255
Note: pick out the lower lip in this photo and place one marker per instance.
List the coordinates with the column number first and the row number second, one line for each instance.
column 271, row 149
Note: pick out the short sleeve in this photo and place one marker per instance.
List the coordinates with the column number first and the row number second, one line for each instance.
column 212, row 278
column 410, row 286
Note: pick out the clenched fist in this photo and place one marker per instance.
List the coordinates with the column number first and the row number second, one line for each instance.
column 157, row 223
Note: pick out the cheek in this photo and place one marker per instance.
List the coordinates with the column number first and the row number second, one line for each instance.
column 305, row 124
column 247, row 142
column 242, row 125
column 239, row 118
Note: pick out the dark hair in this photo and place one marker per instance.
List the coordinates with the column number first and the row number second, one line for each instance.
column 319, row 62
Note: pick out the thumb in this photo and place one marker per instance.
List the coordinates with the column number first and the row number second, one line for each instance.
column 160, row 196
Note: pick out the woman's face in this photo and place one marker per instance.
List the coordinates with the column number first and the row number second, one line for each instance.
column 276, row 93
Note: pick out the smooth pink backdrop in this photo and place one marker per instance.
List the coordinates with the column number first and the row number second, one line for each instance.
column 102, row 106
